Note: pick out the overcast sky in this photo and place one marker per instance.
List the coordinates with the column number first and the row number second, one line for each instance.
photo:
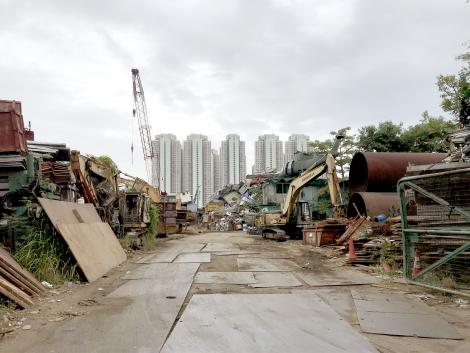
column 218, row 66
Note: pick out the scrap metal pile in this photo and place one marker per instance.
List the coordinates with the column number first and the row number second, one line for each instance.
column 226, row 211
column 373, row 231
column 82, row 198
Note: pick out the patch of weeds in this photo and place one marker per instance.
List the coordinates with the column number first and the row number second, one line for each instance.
column 153, row 213
column 148, row 241
column 125, row 242
column 45, row 254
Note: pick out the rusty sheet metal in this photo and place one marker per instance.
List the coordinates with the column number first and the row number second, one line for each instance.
column 397, row 315
column 12, row 132
column 373, row 204
column 62, row 212
column 380, row 171
column 297, row 322
column 323, row 234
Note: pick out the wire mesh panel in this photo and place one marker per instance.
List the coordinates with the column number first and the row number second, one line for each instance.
column 435, row 211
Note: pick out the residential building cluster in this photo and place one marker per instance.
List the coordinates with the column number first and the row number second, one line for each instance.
column 194, row 166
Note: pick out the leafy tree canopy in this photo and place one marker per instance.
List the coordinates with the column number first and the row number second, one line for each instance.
column 455, row 89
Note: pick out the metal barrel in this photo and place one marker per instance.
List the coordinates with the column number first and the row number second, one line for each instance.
column 380, row 171
column 373, row 204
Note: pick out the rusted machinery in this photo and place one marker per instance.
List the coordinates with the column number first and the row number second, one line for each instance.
column 380, row 171
column 373, row 177
column 274, row 225
column 374, row 204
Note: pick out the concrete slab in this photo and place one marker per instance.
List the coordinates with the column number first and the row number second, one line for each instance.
column 225, row 278
column 396, row 315
column 340, row 299
column 213, row 247
column 268, row 255
column 193, row 257
column 258, row 323
column 232, row 253
column 155, row 270
column 262, row 265
column 135, row 318
column 275, row 279
column 158, row 257
column 341, row 277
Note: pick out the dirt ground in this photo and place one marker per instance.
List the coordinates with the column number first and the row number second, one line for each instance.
column 36, row 324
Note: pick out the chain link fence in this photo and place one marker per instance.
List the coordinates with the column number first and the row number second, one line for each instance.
column 435, row 212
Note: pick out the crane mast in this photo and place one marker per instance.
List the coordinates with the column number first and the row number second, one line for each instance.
column 140, row 112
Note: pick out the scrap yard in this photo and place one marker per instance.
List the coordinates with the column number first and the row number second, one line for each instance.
column 295, row 177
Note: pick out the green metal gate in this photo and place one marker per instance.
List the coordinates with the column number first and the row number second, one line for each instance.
column 435, row 214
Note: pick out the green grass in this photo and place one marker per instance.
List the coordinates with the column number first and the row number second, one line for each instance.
column 47, row 257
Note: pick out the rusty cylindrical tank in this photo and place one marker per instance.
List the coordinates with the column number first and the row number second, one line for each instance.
column 380, row 171
column 373, row 204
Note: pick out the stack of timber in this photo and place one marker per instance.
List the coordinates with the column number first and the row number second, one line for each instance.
column 364, row 240
column 16, row 283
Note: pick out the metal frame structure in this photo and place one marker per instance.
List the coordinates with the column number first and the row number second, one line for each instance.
column 410, row 234
column 140, row 112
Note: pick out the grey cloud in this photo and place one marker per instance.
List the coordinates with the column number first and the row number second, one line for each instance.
column 250, row 67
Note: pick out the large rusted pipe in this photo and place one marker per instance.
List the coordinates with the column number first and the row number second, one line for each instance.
column 373, row 204
column 380, row 171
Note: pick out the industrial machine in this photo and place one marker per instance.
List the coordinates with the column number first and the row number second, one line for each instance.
column 292, row 217
column 145, row 130
column 137, row 184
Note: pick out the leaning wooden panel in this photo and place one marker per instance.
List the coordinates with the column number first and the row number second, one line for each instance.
column 94, row 246
column 62, row 212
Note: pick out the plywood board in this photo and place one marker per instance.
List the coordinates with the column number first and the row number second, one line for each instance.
column 225, row 278
column 94, row 246
column 213, row 247
column 137, row 317
column 259, row 323
column 193, row 257
column 62, row 212
column 393, row 314
column 341, row 277
column 275, row 279
column 261, row 265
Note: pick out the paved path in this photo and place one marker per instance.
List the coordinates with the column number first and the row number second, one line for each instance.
column 230, row 292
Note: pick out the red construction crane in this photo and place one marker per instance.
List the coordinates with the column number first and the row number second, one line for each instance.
column 140, row 111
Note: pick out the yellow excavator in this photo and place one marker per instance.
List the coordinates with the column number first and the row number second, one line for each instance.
column 277, row 225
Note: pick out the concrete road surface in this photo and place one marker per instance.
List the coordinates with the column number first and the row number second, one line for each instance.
column 251, row 295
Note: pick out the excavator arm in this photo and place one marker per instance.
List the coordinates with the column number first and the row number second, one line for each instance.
column 310, row 174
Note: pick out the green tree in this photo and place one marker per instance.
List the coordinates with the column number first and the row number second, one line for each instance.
column 346, row 150
column 455, row 89
column 429, row 135
column 385, row 137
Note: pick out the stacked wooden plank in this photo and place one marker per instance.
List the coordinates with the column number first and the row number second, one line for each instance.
column 16, row 283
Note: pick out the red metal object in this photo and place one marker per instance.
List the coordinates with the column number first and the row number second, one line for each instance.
column 324, row 234
column 380, row 171
column 373, row 204
column 29, row 135
column 352, row 251
column 12, row 132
